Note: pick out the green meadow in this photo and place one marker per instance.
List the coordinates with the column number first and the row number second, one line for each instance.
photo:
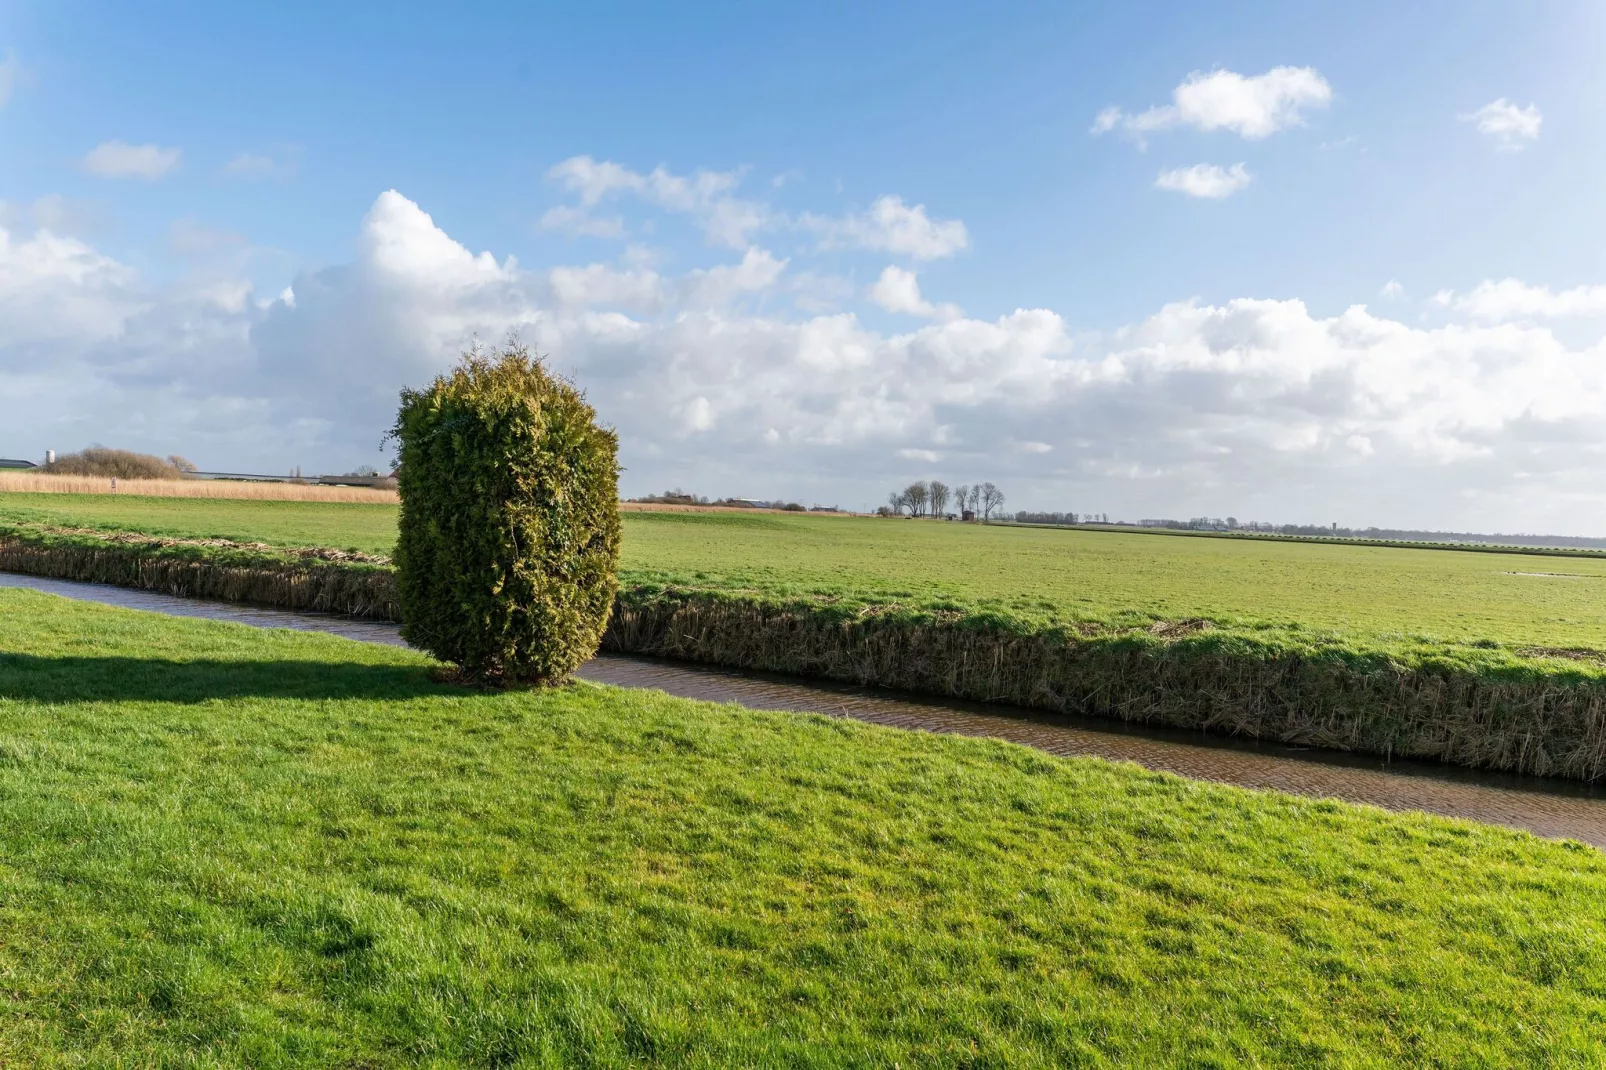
column 367, row 529
column 1367, row 595
column 229, row 847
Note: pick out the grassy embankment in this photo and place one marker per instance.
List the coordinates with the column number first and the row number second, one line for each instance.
column 234, row 847
column 1489, row 660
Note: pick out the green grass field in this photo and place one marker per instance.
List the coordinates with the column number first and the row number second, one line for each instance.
column 1371, row 595
column 221, row 846
column 364, row 528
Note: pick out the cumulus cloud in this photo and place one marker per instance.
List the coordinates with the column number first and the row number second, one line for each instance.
column 705, row 195
column 709, row 197
column 600, row 284
column 898, row 290
column 1255, row 403
column 758, row 271
column 1510, row 127
column 118, row 159
column 890, row 226
column 1205, row 180
column 1252, row 107
column 1511, row 300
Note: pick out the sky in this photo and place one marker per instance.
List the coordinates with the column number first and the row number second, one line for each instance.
column 1293, row 262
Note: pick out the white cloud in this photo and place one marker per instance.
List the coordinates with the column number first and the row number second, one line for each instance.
column 709, row 197
column 1513, row 300
column 281, row 164
column 1250, row 403
column 10, row 75
column 758, row 271
column 57, row 214
column 117, row 159
column 898, row 290
column 1511, row 127
column 400, row 241
column 890, row 226
column 641, row 289
column 1392, row 290
column 598, row 284
column 578, row 221
column 1252, row 107
column 705, row 195
column 1205, row 180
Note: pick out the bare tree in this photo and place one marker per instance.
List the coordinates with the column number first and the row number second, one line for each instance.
column 967, row 500
column 991, row 498
column 917, row 494
column 962, row 499
column 896, row 501
column 939, row 498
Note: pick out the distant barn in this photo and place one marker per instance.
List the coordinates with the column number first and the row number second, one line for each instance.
column 7, row 462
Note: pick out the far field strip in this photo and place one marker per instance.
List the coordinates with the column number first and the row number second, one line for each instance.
column 1378, row 593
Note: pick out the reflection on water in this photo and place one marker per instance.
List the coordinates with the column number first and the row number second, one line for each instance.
column 1547, row 807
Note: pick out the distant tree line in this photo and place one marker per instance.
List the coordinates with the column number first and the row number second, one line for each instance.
column 1205, row 523
column 1024, row 517
column 680, row 497
column 101, row 461
column 978, row 501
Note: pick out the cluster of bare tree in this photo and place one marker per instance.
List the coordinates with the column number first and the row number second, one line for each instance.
column 978, row 502
column 1024, row 517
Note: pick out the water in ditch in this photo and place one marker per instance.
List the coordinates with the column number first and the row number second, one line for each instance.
column 1556, row 808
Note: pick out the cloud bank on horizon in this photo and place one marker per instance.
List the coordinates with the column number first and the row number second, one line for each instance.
column 732, row 378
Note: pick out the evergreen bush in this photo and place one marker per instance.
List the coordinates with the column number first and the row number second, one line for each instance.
column 508, row 550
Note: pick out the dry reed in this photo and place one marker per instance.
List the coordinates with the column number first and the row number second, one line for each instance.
column 39, row 482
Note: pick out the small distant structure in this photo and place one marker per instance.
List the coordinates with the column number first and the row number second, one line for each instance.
column 968, row 517
column 8, row 462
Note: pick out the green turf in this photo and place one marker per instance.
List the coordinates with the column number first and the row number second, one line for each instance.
column 1373, row 596
column 228, row 847
column 338, row 525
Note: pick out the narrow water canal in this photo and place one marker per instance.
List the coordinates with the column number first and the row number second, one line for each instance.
column 1557, row 808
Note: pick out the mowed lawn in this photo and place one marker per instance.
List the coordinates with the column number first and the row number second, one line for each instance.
column 1367, row 593
column 221, row 846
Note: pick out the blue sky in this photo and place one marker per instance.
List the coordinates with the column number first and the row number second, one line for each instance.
column 187, row 163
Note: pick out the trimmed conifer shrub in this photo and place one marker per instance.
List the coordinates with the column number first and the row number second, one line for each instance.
column 508, row 549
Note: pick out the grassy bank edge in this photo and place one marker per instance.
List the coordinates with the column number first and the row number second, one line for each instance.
column 1480, row 705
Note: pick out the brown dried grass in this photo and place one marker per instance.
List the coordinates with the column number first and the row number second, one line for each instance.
column 44, row 483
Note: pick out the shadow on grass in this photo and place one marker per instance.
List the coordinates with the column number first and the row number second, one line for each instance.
column 32, row 678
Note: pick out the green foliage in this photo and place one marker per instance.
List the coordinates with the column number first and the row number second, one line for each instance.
column 508, row 535
column 227, row 847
